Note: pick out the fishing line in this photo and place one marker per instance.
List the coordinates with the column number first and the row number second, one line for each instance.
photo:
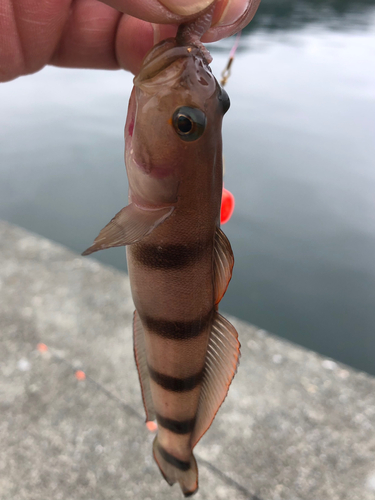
column 227, row 200
column 227, row 70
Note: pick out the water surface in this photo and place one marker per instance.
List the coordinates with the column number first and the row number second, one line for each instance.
column 299, row 147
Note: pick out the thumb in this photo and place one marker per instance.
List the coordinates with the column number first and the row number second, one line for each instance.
column 186, row 7
column 229, row 16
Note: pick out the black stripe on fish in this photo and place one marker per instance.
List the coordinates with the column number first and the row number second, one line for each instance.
column 169, row 256
column 177, row 330
column 176, row 426
column 176, row 462
column 174, row 384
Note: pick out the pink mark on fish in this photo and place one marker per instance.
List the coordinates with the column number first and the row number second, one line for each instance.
column 156, row 171
column 131, row 128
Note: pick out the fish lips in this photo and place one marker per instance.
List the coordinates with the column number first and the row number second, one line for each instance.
column 161, row 56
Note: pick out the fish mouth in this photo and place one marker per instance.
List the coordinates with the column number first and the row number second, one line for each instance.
column 161, row 56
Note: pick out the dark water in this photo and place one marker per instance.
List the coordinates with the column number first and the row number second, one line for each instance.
column 300, row 158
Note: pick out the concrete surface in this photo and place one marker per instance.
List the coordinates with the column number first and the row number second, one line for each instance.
column 294, row 426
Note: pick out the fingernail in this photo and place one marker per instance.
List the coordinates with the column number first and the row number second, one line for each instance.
column 232, row 12
column 186, row 7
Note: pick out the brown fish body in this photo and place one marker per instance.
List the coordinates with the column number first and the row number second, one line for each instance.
column 179, row 260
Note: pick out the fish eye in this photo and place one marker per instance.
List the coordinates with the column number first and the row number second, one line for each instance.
column 189, row 123
column 224, row 100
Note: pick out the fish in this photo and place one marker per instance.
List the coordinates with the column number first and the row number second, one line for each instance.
column 179, row 260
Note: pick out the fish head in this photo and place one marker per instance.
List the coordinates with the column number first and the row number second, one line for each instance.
column 173, row 129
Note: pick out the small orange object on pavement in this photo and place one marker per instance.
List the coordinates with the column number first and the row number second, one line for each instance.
column 152, row 426
column 42, row 347
column 80, row 375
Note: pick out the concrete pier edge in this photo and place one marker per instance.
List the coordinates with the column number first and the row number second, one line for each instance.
column 294, row 426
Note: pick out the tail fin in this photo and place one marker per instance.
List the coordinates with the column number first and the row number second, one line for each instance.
column 175, row 470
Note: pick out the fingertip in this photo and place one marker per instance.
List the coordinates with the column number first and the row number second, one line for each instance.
column 230, row 17
column 230, row 12
column 163, row 31
column 186, row 7
column 135, row 38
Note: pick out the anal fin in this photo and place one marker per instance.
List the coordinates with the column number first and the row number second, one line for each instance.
column 222, row 358
column 128, row 226
column 141, row 362
column 223, row 264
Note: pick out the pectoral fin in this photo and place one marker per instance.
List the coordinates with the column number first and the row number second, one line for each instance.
column 223, row 264
column 130, row 225
column 222, row 359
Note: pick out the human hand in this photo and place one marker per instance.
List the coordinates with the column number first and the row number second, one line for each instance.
column 91, row 34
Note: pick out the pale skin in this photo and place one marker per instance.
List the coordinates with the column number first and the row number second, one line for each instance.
column 112, row 34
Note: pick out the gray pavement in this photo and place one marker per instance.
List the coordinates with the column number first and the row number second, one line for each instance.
column 295, row 425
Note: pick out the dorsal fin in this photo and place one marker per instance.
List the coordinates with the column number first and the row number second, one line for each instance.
column 128, row 226
column 223, row 353
column 141, row 362
column 223, row 264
